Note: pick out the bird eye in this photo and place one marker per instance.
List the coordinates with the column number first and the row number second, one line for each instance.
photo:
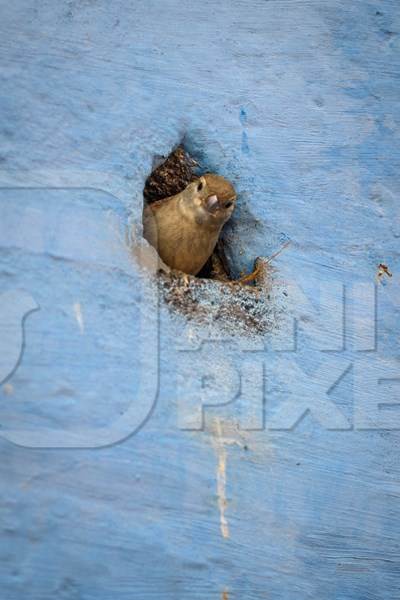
column 200, row 186
column 228, row 204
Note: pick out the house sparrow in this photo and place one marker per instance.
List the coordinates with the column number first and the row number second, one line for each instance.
column 185, row 228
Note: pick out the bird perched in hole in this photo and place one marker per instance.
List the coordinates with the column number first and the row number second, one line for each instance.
column 185, row 228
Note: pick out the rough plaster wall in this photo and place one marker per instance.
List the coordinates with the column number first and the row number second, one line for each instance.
column 297, row 103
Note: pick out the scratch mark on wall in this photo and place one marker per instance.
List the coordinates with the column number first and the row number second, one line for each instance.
column 79, row 316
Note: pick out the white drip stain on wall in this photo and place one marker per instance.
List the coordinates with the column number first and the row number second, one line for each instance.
column 221, row 480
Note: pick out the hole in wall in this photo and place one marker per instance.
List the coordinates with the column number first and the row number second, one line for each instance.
column 212, row 296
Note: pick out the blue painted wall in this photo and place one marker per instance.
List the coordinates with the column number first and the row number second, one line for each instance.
column 112, row 486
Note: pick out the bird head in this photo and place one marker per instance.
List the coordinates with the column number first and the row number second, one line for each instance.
column 212, row 199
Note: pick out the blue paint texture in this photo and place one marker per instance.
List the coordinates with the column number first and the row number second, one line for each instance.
column 120, row 497
column 245, row 143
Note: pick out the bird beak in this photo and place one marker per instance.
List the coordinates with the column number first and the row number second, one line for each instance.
column 212, row 203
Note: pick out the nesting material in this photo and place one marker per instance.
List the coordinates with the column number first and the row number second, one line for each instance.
column 170, row 177
column 232, row 308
